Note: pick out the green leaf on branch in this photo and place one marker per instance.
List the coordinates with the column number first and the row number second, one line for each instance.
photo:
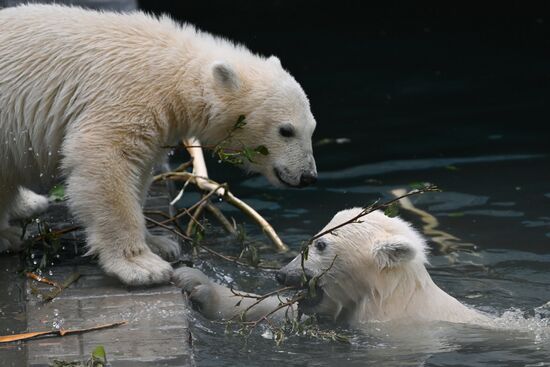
column 262, row 150
column 57, row 193
column 248, row 153
column 99, row 357
column 240, row 122
column 392, row 210
column 235, row 155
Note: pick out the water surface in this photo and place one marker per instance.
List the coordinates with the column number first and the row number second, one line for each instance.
column 496, row 206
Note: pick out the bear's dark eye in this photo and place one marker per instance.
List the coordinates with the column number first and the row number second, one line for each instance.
column 287, row 131
column 320, row 245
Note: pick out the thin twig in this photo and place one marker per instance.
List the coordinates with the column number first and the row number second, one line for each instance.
column 207, row 184
column 374, row 207
column 195, row 219
column 176, row 232
column 60, row 332
column 162, row 214
column 263, row 296
column 192, row 207
column 234, row 260
column 289, row 303
column 157, row 212
column 57, row 291
column 57, row 233
column 41, row 279
column 217, row 213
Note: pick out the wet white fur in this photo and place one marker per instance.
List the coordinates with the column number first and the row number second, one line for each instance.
column 93, row 97
column 379, row 274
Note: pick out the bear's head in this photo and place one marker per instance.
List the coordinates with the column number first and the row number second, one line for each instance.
column 277, row 116
column 359, row 265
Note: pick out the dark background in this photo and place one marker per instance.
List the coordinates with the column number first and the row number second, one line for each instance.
column 402, row 80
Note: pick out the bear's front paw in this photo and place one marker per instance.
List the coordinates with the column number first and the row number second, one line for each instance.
column 10, row 239
column 202, row 297
column 163, row 246
column 189, row 278
column 143, row 269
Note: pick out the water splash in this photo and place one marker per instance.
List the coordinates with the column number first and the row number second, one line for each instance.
column 537, row 324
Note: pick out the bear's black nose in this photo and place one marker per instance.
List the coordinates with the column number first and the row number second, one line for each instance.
column 308, row 178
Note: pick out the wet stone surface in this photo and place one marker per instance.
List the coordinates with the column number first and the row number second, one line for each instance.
column 157, row 333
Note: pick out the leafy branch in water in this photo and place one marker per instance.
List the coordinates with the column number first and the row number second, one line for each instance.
column 308, row 328
column 290, row 325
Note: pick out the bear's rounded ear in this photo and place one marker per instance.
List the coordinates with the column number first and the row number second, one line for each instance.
column 274, row 60
column 395, row 251
column 225, row 75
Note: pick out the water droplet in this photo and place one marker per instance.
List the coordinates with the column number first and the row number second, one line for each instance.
column 57, row 324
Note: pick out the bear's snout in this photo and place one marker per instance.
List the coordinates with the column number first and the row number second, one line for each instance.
column 293, row 277
column 308, row 178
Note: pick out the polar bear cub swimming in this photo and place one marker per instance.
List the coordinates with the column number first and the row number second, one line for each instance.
column 93, row 97
column 378, row 274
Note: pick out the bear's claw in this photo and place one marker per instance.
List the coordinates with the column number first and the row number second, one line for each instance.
column 144, row 269
column 163, row 246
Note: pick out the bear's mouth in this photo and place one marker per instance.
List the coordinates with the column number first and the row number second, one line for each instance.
column 279, row 176
column 308, row 304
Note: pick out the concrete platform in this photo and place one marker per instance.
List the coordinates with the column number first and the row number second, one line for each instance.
column 157, row 333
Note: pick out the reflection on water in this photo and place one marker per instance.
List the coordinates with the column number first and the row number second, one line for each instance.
column 497, row 204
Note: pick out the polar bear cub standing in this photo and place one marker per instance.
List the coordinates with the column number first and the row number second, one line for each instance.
column 376, row 272
column 93, row 97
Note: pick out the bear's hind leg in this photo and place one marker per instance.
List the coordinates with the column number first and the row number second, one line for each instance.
column 28, row 204
column 10, row 236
